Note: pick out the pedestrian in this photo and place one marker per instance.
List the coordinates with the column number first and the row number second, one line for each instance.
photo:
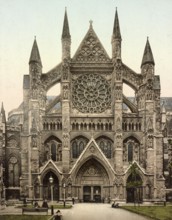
column 115, row 205
column 56, row 216
column 36, row 205
column 73, row 200
column 45, row 204
column 24, row 201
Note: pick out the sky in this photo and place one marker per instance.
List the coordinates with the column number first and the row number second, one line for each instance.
column 21, row 20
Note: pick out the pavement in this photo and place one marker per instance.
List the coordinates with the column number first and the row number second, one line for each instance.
column 85, row 211
column 10, row 210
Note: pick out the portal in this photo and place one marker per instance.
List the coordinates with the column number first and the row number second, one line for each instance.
column 92, row 194
column 94, row 182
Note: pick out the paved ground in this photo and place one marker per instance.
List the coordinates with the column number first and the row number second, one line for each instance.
column 86, row 211
column 98, row 212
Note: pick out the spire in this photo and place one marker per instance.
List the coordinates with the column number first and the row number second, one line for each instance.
column 116, row 40
column 147, row 56
column 116, row 28
column 3, row 113
column 2, row 108
column 163, row 110
column 66, row 39
column 35, row 56
column 66, row 32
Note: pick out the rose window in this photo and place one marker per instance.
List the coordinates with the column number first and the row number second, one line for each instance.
column 91, row 93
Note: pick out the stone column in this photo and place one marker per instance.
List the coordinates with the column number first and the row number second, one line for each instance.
column 65, row 91
column 118, row 139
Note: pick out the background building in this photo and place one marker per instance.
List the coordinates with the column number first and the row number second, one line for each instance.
column 96, row 143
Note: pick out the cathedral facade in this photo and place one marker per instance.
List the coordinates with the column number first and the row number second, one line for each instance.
column 83, row 143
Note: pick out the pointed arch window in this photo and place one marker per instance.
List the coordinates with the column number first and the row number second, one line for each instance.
column 53, row 152
column 105, row 145
column 130, row 152
column 81, row 146
column 53, row 149
column 74, row 149
column 13, row 172
column 78, row 146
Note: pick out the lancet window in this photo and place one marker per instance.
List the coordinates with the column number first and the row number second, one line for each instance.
column 13, row 172
column 105, row 145
column 78, row 145
column 53, row 149
column 131, row 150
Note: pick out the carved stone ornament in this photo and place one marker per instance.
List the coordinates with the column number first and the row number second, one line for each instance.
column 92, row 149
column 91, row 93
column 13, row 160
column 91, row 50
column 65, row 139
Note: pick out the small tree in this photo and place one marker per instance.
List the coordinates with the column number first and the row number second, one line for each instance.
column 135, row 181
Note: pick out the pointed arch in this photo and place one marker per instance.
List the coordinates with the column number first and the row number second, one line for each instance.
column 13, row 170
column 52, row 149
column 93, row 177
column 46, row 185
column 131, row 149
column 105, row 144
column 134, row 184
column 78, row 144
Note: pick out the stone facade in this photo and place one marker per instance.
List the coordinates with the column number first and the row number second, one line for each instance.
column 84, row 138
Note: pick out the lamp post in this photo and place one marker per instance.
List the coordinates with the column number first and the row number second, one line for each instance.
column 51, row 180
column 64, row 199
column 39, row 182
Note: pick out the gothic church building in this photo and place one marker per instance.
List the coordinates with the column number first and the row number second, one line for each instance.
column 84, row 143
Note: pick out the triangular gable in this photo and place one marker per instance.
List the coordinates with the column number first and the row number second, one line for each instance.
column 92, row 150
column 91, row 50
column 140, row 168
column 50, row 163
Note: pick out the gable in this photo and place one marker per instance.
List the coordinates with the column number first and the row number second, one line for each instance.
column 92, row 150
column 91, row 50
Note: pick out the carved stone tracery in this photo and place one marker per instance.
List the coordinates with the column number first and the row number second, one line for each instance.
column 91, row 93
column 91, row 50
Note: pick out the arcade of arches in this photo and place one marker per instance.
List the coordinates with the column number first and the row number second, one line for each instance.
column 92, row 181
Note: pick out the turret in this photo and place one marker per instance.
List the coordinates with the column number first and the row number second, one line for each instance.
column 147, row 65
column 35, row 70
column 3, row 117
column 116, row 39
column 66, row 38
column 35, row 60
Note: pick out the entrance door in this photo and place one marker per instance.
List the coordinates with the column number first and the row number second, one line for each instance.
column 130, row 195
column 47, row 187
column 134, row 187
column 92, row 176
column 97, row 194
column 92, row 194
column 87, row 193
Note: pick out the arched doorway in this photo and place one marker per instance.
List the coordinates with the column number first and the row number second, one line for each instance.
column 134, row 188
column 47, row 186
column 94, row 182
